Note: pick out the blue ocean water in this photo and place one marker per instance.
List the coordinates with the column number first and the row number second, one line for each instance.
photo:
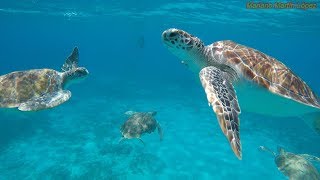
column 130, row 69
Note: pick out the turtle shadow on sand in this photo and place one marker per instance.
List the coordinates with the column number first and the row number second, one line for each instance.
column 295, row 166
column 116, row 149
column 146, row 163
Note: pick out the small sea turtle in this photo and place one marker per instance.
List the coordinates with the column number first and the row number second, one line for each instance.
column 313, row 121
column 138, row 124
column 223, row 64
column 40, row 88
column 295, row 166
column 316, row 125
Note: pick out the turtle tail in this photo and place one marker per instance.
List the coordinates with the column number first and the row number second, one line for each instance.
column 160, row 132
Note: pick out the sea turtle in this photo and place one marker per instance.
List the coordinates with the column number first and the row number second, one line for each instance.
column 313, row 121
column 138, row 124
column 223, row 64
column 38, row 89
column 295, row 166
column 316, row 125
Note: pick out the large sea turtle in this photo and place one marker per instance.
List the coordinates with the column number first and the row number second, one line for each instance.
column 223, row 64
column 40, row 88
column 295, row 166
column 138, row 124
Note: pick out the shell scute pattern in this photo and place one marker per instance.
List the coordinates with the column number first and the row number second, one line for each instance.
column 140, row 123
column 267, row 72
column 18, row 87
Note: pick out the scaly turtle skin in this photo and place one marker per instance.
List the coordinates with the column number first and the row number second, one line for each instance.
column 225, row 64
column 295, row 166
column 138, row 124
column 39, row 88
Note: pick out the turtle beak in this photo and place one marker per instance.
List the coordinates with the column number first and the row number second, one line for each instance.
column 165, row 39
column 168, row 36
column 86, row 72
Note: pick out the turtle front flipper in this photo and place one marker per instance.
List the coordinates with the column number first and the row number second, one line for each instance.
column 269, row 73
column 141, row 141
column 45, row 101
column 130, row 113
column 160, row 132
column 72, row 61
column 222, row 97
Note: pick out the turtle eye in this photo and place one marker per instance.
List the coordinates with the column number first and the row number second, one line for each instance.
column 187, row 41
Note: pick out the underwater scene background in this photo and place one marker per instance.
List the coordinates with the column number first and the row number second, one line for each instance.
column 130, row 69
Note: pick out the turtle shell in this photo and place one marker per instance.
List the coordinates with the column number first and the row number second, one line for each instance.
column 20, row 86
column 295, row 166
column 138, row 124
column 265, row 71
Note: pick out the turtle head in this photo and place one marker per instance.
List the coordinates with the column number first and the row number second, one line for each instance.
column 180, row 40
column 79, row 72
column 280, row 161
column 285, row 161
column 75, row 75
column 281, row 150
column 187, row 47
column 71, row 70
column 129, row 133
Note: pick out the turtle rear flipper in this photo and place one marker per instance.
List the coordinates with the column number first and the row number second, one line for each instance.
column 121, row 140
column 45, row 101
column 130, row 113
column 160, row 132
column 141, row 141
column 72, row 61
column 153, row 113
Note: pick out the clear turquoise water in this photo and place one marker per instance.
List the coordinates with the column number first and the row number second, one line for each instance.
column 130, row 69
